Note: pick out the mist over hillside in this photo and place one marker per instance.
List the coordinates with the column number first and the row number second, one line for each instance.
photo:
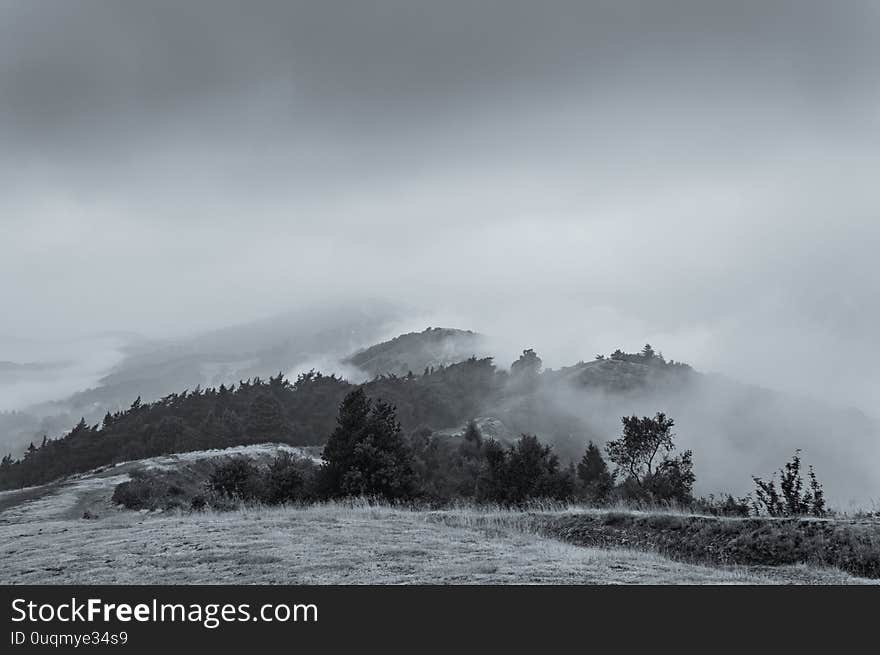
column 440, row 378
column 108, row 373
column 411, row 274
column 414, row 351
column 736, row 430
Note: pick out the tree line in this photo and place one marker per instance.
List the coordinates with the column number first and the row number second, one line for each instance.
column 368, row 455
column 387, row 448
column 301, row 413
column 256, row 410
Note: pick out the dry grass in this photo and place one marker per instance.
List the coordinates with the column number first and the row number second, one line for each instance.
column 338, row 544
column 45, row 541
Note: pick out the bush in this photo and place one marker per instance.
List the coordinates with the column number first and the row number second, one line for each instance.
column 150, row 493
column 284, row 481
column 726, row 505
column 673, row 481
column 792, row 501
column 446, row 467
column 238, row 478
column 527, row 470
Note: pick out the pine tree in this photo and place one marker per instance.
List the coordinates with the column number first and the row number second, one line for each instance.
column 266, row 420
column 817, row 503
column 594, row 475
column 366, row 454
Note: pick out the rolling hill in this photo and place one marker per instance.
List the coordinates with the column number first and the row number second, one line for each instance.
column 415, row 351
column 71, row 532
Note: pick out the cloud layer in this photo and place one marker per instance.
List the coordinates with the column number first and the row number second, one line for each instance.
column 573, row 176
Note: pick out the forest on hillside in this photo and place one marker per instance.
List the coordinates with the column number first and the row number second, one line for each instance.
column 302, row 413
column 253, row 411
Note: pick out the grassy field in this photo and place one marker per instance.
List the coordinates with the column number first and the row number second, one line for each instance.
column 334, row 544
column 45, row 539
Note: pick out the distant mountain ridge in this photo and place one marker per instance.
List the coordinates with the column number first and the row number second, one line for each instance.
column 735, row 430
column 415, row 351
column 152, row 369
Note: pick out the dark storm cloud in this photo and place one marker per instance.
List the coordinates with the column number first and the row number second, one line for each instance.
column 567, row 174
column 78, row 69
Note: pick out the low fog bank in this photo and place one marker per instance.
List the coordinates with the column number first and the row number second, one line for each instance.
column 46, row 386
column 735, row 431
column 34, row 371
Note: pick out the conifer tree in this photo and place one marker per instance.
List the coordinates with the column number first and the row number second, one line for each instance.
column 266, row 420
column 594, row 475
column 366, row 454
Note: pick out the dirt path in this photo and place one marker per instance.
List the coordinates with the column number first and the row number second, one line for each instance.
column 71, row 497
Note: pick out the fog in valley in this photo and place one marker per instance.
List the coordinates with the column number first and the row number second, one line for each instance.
column 197, row 194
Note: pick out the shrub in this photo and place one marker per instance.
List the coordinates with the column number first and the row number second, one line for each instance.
column 726, row 505
column 237, row 478
column 673, row 481
column 154, row 489
column 149, row 493
column 527, row 470
column 284, row 481
column 791, row 499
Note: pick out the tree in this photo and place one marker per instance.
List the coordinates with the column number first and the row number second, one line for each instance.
column 593, row 473
column 642, row 456
column 643, row 439
column 233, row 428
column 366, row 454
column 30, row 451
column 266, row 420
column 284, row 480
column 647, row 352
column 492, row 479
column 673, row 480
column 527, row 470
column 528, row 364
column 168, row 435
column 211, row 432
column 533, row 472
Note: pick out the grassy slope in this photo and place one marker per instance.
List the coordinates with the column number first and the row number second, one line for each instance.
column 849, row 544
column 335, row 544
column 44, row 540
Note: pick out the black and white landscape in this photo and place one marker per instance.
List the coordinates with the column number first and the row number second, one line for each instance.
column 440, row 292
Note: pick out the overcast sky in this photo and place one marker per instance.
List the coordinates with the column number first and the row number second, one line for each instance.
column 570, row 175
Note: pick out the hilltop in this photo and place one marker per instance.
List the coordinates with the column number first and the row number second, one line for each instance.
column 735, row 430
column 416, row 351
column 153, row 368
